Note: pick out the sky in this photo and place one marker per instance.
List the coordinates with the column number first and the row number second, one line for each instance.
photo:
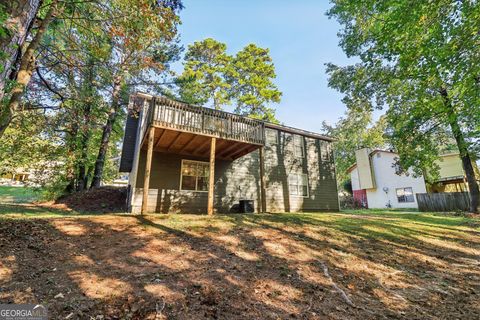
column 301, row 39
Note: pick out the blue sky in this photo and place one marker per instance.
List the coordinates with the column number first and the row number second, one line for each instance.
column 301, row 40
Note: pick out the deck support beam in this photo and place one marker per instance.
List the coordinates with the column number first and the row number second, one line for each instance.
column 263, row 200
column 148, row 167
column 211, row 177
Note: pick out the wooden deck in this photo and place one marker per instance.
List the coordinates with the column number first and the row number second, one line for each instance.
column 174, row 127
column 184, row 129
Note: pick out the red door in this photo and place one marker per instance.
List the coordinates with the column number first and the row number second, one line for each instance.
column 361, row 197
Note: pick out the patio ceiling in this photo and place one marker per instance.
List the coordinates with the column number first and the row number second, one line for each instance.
column 186, row 143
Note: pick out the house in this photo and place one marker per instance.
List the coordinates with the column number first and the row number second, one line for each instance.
column 378, row 182
column 19, row 176
column 188, row 159
column 451, row 175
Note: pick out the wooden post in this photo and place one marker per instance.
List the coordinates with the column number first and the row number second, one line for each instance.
column 148, row 167
column 211, row 177
column 263, row 200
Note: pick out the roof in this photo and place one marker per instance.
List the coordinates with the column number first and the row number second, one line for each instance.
column 267, row 124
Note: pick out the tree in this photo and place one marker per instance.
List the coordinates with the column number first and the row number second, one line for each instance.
column 83, row 58
column 72, row 71
column 203, row 78
column 210, row 74
column 422, row 65
column 85, row 65
column 26, row 65
column 28, row 144
column 139, row 38
column 354, row 131
column 16, row 18
column 251, row 80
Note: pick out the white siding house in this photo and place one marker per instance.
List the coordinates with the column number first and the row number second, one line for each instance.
column 390, row 190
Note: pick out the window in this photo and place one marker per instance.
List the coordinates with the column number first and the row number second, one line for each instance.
column 272, row 136
column 405, row 195
column 298, row 185
column 298, row 146
column 325, row 150
column 194, row 175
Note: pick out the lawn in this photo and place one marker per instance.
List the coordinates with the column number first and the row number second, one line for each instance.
column 353, row 265
column 17, row 194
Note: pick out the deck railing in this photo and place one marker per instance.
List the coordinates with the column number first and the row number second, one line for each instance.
column 175, row 115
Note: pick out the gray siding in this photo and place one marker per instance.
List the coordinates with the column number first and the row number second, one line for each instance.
column 234, row 180
column 280, row 162
column 240, row 179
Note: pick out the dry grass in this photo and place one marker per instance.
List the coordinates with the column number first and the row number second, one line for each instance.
column 390, row 265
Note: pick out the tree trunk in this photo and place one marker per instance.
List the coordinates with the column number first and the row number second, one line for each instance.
column 27, row 65
column 464, row 154
column 71, row 147
column 87, row 176
column 82, row 171
column 82, row 168
column 86, row 126
column 21, row 14
column 107, row 130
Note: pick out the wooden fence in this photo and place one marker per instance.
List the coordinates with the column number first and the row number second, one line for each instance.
column 443, row 202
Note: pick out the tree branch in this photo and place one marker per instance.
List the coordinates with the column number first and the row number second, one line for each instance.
column 48, row 86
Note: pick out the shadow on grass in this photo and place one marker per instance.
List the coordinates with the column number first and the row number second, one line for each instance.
column 38, row 211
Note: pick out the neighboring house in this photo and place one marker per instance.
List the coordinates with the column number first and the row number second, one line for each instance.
column 33, row 176
column 20, row 176
column 377, row 182
column 189, row 159
column 452, row 177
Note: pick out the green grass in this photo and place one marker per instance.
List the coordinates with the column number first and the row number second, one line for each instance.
column 18, row 194
column 370, row 224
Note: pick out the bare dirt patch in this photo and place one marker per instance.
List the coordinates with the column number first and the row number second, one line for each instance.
column 305, row 266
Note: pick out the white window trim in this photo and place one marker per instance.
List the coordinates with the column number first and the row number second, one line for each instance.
column 181, row 175
column 302, row 143
column 296, row 195
column 413, row 194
